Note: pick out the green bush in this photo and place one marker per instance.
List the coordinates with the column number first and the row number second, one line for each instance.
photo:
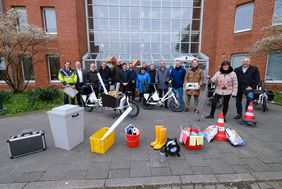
column 5, row 95
column 48, row 95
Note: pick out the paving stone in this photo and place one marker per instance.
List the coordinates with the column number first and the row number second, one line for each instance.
column 202, row 170
column 119, row 173
column 241, row 168
column 56, row 172
column 30, row 176
column 231, row 159
column 255, row 186
column 140, row 169
column 257, row 165
column 125, row 182
column 12, row 186
column 155, row 161
column 120, row 164
column 268, row 176
column 218, row 166
column 195, row 160
column 161, row 171
column 187, row 187
column 180, row 167
column 176, row 187
column 76, row 174
column 186, row 179
column 268, row 158
column 235, row 177
column 199, row 186
column 98, row 170
column 265, row 185
column 66, row 184
column 210, row 187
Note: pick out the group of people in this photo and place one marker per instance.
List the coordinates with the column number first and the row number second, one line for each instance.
column 228, row 82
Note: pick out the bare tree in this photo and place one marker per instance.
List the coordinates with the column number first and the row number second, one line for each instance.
column 16, row 44
column 271, row 43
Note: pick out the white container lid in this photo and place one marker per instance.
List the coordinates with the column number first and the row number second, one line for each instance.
column 65, row 110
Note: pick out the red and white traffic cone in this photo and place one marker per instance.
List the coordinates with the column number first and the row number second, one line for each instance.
column 221, row 136
column 249, row 118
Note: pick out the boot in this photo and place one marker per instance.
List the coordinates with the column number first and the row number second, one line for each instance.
column 162, row 139
column 157, row 130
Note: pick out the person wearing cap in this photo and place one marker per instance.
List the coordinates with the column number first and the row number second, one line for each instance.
column 226, row 85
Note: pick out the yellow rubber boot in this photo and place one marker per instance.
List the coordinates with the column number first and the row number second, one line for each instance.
column 157, row 130
column 162, row 139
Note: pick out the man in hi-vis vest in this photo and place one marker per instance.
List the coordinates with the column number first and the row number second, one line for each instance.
column 67, row 77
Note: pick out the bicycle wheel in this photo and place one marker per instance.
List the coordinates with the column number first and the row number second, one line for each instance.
column 145, row 105
column 264, row 104
column 176, row 107
column 135, row 108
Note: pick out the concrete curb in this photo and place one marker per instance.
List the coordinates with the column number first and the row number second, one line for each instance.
column 149, row 181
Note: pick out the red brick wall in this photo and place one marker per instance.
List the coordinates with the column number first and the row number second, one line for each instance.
column 70, row 42
column 218, row 35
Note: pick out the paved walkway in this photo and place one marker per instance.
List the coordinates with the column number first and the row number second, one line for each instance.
column 218, row 163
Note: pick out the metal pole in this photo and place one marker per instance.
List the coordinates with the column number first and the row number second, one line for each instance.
column 1, row 103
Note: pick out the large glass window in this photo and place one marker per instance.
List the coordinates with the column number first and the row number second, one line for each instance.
column 53, row 66
column 22, row 20
column 244, row 17
column 277, row 15
column 274, row 68
column 145, row 27
column 49, row 18
column 28, row 69
column 2, row 69
column 236, row 59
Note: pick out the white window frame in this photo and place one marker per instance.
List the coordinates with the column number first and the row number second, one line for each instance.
column 44, row 20
column 29, row 81
column 266, row 68
column 238, row 54
column 20, row 8
column 275, row 23
column 235, row 20
column 49, row 71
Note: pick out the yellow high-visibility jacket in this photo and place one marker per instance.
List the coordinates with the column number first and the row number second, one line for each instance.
column 67, row 76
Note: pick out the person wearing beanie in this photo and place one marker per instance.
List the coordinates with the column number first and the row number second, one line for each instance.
column 226, row 85
column 193, row 75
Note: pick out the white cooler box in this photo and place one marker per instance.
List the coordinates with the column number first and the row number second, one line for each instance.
column 67, row 126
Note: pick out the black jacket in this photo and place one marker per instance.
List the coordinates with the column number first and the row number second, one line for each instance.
column 152, row 74
column 250, row 78
column 106, row 74
column 116, row 73
column 92, row 77
column 83, row 71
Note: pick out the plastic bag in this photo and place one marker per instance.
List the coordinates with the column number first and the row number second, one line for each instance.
column 234, row 138
column 210, row 132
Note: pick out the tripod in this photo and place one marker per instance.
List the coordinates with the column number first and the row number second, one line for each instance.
column 198, row 114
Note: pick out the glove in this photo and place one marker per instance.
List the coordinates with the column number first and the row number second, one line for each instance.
column 170, row 81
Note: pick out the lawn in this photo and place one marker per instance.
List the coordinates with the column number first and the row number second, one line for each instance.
column 15, row 104
column 278, row 98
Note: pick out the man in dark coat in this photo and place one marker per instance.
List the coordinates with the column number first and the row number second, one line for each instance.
column 116, row 73
column 162, row 78
column 177, row 75
column 152, row 73
column 106, row 75
column 81, row 80
column 133, row 77
column 92, row 78
column 248, row 79
column 124, row 79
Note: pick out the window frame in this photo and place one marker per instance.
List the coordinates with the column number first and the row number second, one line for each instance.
column 238, row 54
column 275, row 23
column 235, row 19
column 2, row 59
column 19, row 25
column 49, row 70
column 31, row 80
column 44, row 20
column 266, row 69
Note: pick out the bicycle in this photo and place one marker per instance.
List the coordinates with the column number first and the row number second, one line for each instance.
column 151, row 100
column 262, row 95
column 108, row 102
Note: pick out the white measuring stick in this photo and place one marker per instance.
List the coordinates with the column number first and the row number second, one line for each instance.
column 102, row 83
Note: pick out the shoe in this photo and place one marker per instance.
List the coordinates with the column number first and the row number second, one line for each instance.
column 157, row 130
column 209, row 117
column 162, row 140
column 225, row 120
column 238, row 116
column 186, row 110
column 166, row 106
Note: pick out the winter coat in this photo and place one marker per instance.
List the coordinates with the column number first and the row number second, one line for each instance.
column 106, row 74
column 116, row 73
column 152, row 74
column 194, row 77
column 162, row 77
column 250, row 78
column 143, row 81
column 226, row 83
column 177, row 76
column 133, row 77
column 92, row 77
column 124, row 78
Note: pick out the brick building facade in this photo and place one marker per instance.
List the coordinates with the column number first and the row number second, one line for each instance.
column 220, row 40
column 70, row 42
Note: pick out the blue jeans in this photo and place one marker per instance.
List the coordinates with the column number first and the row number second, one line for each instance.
column 250, row 97
column 180, row 93
column 66, row 99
